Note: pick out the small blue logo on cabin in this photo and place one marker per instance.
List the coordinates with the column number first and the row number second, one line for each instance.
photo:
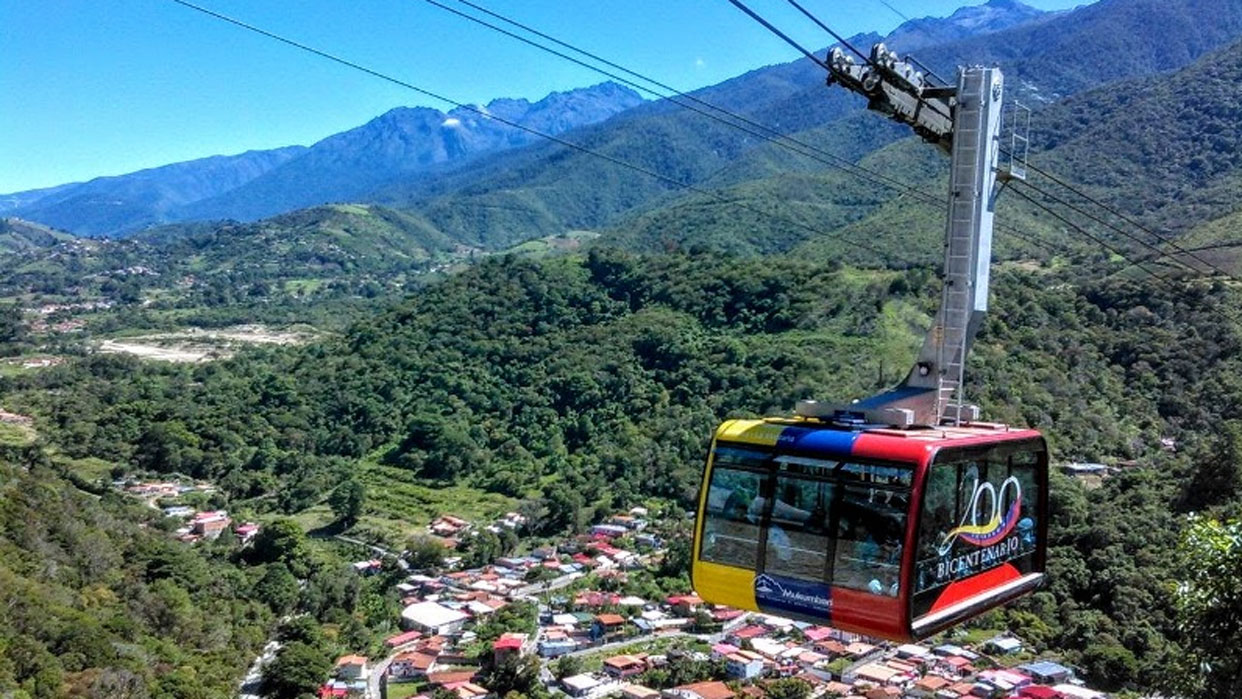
column 782, row 594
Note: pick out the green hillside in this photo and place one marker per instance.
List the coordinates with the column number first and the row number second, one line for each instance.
column 1167, row 149
column 316, row 241
column 17, row 235
column 97, row 603
column 547, row 189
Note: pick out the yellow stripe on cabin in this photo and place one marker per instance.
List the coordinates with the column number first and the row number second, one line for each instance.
column 760, row 432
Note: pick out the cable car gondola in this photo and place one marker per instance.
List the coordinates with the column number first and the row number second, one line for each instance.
column 891, row 533
column 902, row 514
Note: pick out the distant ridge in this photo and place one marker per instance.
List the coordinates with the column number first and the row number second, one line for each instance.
column 108, row 205
column 17, row 235
column 252, row 185
column 407, row 142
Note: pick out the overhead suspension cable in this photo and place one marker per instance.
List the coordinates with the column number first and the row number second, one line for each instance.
column 775, row 136
column 837, row 36
column 1096, row 239
column 772, row 28
column 535, row 132
column 771, row 135
column 1167, row 239
column 840, row 39
column 867, row 60
column 1103, row 222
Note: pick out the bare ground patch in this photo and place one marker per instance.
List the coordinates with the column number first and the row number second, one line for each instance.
column 198, row 345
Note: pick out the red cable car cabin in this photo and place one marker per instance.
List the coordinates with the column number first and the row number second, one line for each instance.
column 890, row 533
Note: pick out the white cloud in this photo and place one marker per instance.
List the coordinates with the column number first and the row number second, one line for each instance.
column 699, row 63
column 451, row 123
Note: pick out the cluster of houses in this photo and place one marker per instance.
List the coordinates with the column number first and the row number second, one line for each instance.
column 839, row 664
column 40, row 322
column 439, row 612
column 211, row 524
column 199, row 526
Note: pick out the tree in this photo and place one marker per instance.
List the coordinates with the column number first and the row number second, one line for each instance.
column 1208, row 606
column 1109, row 663
column 479, row 548
column 301, row 629
column 281, row 540
column 514, row 673
column 788, row 688
column 567, row 666
column 277, row 588
column 424, row 552
column 348, row 501
column 296, row 670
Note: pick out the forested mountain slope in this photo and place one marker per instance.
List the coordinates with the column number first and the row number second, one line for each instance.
column 304, row 257
column 252, row 185
column 97, row 602
column 1163, row 150
column 408, row 142
column 1166, row 148
column 17, row 235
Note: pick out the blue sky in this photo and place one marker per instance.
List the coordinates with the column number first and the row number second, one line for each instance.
column 101, row 88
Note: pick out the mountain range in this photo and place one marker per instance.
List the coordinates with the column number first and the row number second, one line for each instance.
column 404, row 142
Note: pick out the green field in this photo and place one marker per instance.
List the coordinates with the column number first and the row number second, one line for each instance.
column 399, row 505
column 402, row 690
column 15, row 435
column 88, row 469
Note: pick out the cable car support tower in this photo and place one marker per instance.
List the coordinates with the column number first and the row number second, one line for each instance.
column 964, row 121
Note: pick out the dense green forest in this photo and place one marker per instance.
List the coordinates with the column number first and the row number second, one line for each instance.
column 95, row 604
column 576, row 384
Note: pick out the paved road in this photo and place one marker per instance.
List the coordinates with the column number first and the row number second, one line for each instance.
column 374, row 681
column 250, row 685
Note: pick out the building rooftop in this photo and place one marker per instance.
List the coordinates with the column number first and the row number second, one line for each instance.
column 580, row 683
column 432, row 614
column 708, row 690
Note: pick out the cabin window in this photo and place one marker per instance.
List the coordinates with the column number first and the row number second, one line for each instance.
column 797, row 543
column 734, row 508
column 870, row 528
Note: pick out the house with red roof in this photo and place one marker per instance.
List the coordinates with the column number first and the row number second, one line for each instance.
column 928, row 686
column 746, row 633
column 685, row 604
column 510, row 644
column 699, row 690
column 351, row 667
column 607, row 627
column 448, row 677
column 411, row 664
column 622, row 666
column 402, row 638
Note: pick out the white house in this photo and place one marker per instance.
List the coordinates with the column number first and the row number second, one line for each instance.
column 580, row 685
column 433, row 618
